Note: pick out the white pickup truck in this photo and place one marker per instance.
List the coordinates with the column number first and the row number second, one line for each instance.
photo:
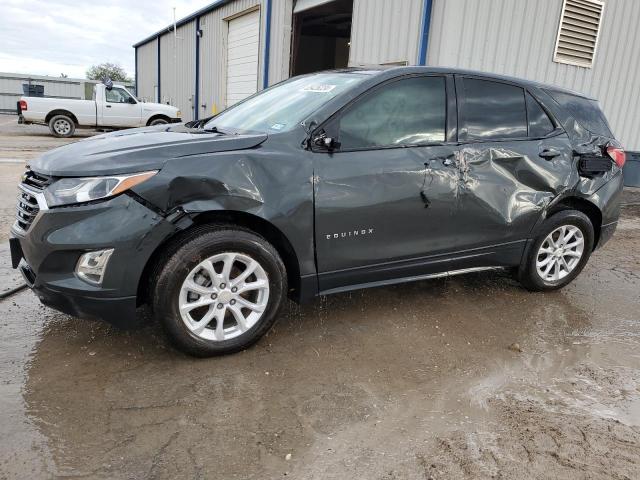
column 111, row 108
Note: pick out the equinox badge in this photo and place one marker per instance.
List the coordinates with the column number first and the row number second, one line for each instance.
column 351, row 233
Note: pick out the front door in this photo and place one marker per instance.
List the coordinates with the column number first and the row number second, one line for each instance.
column 385, row 196
column 120, row 109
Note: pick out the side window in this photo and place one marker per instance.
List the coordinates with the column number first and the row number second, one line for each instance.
column 404, row 112
column 492, row 110
column 117, row 95
column 539, row 122
column 586, row 111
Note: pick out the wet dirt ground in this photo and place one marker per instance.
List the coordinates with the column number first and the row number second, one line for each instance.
column 412, row 381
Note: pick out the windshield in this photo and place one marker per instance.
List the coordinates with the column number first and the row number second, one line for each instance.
column 284, row 106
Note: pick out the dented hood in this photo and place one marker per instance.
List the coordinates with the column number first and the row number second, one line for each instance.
column 137, row 150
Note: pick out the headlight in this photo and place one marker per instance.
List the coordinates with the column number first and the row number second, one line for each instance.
column 178, row 114
column 67, row 191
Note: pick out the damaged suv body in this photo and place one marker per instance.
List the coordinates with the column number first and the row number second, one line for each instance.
column 321, row 184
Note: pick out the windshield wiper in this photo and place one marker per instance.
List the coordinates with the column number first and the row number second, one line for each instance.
column 215, row 129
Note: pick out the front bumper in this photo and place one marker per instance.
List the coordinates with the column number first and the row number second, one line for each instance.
column 49, row 251
column 176, row 120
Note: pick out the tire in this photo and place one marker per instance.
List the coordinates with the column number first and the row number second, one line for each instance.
column 220, row 244
column 560, row 259
column 159, row 121
column 62, row 126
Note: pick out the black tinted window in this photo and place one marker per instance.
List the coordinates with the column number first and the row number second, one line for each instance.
column 409, row 111
column 587, row 112
column 539, row 122
column 492, row 110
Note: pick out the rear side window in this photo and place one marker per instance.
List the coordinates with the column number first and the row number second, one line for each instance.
column 539, row 122
column 405, row 112
column 492, row 110
column 587, row 112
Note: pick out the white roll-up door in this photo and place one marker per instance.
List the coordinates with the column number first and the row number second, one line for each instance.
column 243, row 50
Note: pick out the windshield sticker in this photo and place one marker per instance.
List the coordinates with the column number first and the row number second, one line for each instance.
column 323, row 88
column 277, row 126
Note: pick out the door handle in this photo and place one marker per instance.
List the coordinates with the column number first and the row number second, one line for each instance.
column 108, row 106
column 549, row 153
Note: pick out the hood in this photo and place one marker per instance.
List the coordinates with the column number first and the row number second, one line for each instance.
column 159, row 107
column 137, row 150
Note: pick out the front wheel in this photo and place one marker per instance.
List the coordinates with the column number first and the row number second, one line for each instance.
column 159, row 121
column 559, row 253
column 220, row 291
column 62, row 126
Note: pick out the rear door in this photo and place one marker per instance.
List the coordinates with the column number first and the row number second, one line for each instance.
column 513, row 161
column 120, row 109
column 385, row 197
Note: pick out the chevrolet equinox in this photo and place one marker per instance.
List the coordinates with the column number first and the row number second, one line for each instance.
column 323, row 183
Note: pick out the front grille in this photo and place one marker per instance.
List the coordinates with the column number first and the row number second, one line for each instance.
column 27, row 206
column 36, row 180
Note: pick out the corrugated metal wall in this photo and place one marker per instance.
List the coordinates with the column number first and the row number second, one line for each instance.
column 385, row 32
column 281, row 29
column 517, row 37
column 147, row 71
column 178, row 68
column 213, row 47
column 11, row 88
column 213, row 58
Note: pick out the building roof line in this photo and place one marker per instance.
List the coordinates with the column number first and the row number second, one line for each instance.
column 182, row 21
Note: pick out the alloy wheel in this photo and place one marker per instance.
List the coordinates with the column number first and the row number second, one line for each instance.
column 224, row 296
column 560, row 253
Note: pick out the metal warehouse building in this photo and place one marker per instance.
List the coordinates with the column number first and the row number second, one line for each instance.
column 232, row 48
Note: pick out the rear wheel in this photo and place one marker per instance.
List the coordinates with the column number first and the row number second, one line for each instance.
column 559, row 253
column 62, row 126
column 220, row 291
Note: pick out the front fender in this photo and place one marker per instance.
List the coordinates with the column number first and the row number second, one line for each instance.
column 275, row 186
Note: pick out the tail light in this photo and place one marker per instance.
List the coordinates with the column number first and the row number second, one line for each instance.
column 617, row 155
column 23, row 105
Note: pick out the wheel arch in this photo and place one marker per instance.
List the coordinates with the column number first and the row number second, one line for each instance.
column 61, row 111
column 585, row 206
column 158, row 116
column 244, row 220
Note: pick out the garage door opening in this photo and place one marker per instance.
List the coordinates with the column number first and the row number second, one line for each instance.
column 322, row 34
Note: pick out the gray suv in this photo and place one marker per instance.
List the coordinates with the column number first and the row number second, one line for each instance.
column 323, row 183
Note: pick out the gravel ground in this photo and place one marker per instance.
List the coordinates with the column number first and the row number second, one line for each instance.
column 466, row 377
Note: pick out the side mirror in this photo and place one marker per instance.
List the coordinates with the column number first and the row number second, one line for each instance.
column 132, row 100
column 325, row 142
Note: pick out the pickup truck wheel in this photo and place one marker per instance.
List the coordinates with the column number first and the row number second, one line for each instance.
column 62, row 126
column 559, row 252
column 219, row 291
column 159, row 121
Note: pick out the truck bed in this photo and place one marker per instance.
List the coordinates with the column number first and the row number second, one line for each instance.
column 38, row 108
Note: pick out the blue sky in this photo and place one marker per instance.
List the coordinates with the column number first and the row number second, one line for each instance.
column 50, row 37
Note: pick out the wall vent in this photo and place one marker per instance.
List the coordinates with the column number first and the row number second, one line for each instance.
column 578, row 32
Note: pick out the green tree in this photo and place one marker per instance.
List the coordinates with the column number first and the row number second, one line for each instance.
column 112, row 70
